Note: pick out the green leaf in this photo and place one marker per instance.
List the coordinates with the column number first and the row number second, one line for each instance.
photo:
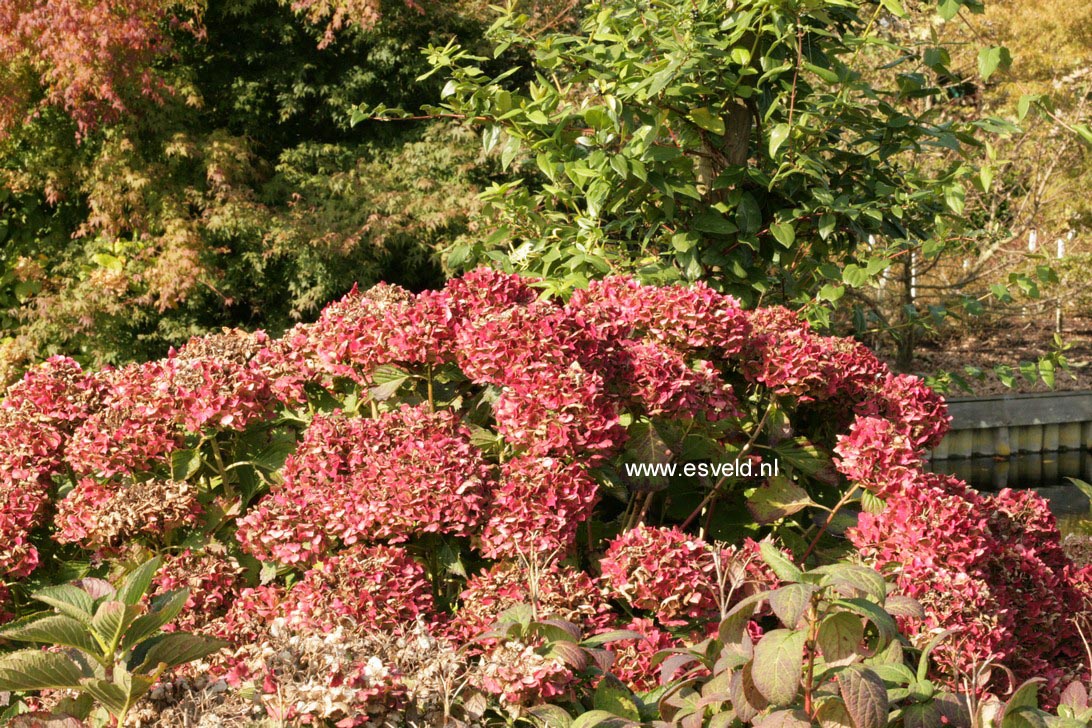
column 922, row 715
column 899, row 605
column 173, row 649
column 163, row 610
column 854, row 580
column 883, row 621
column 68, row 599
column 110, row 622
column 615, row 698
column 707, row 120
column 1025, row 696
column 895, row 8
column 386, row 390
column 777, row 498
column 747, row 701
column 949, row 8
column 617, row 635
column 136, row 583
column 991, row 59
column 833, row 714
column 954, row 196
column 111, row 696
column 748, row 215
column 839, row 637
column 185, row 464
column 779, row 657
column 778, row 135
column 791, row 602
column 57, row 629
column 1046, row 371
column 854, row 275
column 784, row 719
column 551, row 716
column 37, row 670
column 782, row 567
column 865, row 696
column 598, row 717
column 784, row 233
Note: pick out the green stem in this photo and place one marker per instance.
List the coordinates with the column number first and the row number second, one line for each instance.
column 218, row 456
column 830, row 519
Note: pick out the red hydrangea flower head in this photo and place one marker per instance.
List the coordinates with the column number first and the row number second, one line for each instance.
column 411, row 471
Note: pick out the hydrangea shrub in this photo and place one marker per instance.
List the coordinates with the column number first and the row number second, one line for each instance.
column 409, row 469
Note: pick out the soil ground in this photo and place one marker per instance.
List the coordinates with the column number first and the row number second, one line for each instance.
column 1011, row 342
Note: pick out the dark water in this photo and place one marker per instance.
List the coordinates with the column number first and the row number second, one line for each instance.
column 1045, row 473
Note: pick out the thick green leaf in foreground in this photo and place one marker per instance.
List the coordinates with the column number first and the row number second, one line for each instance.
column 37, row 670
column 173, row 649
column 865, row 696
column 779, row 657
column 57, row 629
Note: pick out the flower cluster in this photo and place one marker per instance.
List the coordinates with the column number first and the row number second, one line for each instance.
column 214, row 581
column 378, row 586
column 537, row 506
column 554, row 591
column 411, row 471
column 678, row 578
column 989, row 568
column 102, row 515
column 37, row 417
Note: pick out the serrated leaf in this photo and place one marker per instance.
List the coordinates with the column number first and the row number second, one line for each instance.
column 57, row 629
column 570, row 654
column 777, row 498
column 386, row 390
column 734, row 625
column 185, row 464
column 68, row 599
column 865, row 696
column 163, row 610
column 617, row 635
column 37, row 670
column 551, row 716
column 833, row 714
column 854, row 580
column 616, row 699
column 112, row 697
column 899, row 605
column 173, row 649
column 781, row 567
column 1075, row 696
column 556, row 630
column 991, row 59
column 747, row 701
column 883, row 622
column 111, row 620
column 1025, row 696
column 790, row 602
column 136, row 583
column 839, row 637
column 784, row 719
column 922, row 715
column 779, row 657
column 895, row 8
column 594, row 718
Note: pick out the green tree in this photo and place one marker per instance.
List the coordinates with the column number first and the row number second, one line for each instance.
column 238, row 195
